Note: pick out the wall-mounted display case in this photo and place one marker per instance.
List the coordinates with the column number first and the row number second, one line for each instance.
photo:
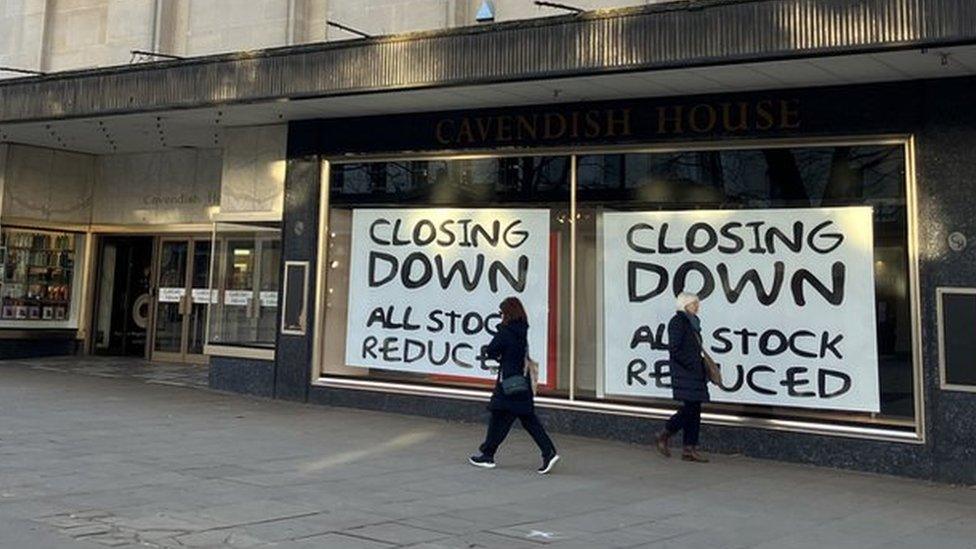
column 40, row 277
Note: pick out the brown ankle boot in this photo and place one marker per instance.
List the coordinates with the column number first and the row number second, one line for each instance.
column 663, row 439
column 690, row 453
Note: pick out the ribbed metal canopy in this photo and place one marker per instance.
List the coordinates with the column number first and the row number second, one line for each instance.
column 680, row 34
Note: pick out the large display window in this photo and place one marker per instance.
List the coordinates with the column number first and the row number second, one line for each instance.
column 420, row 255
column 41, row 278
column 802, row 253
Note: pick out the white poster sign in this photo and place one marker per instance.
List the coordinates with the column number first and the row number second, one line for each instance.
column 425, row 286
column 787, row 310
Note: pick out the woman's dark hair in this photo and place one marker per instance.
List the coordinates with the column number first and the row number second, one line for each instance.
column 512, row 310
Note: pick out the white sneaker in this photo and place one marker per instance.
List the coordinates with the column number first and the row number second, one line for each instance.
column 482, row 461
column 548, row 464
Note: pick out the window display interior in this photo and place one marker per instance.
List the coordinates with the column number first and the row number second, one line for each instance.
column 38, row 268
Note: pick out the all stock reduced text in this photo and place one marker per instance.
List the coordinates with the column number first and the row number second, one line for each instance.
column 461, row 349
column 788, row 351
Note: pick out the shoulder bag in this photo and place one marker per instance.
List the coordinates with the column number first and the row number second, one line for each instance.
column 525, row 383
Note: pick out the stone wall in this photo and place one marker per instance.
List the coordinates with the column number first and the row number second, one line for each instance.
column 57, row 35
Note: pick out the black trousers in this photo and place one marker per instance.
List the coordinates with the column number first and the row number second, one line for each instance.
column 500, row 424
column 687, row 420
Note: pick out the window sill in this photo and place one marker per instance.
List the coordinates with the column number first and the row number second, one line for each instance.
column 239, row 352
column 650, row 412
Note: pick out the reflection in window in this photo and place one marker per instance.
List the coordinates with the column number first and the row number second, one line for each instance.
column 795, row 177
column 447, row 182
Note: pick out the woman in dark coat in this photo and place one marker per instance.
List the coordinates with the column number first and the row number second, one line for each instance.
column 689, row 380
column 509, row 347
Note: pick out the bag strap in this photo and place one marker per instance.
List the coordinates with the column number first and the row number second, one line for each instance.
column 701, row 346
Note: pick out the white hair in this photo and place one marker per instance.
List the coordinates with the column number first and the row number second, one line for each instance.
column 684, row 299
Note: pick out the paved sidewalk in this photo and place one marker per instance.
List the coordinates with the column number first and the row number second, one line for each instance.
column 95, row 462
column 186, row 375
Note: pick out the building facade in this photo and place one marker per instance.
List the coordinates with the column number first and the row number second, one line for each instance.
column 336, row 222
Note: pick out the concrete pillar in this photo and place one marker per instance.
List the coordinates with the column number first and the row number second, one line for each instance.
column 172, row 25
column 308, row 21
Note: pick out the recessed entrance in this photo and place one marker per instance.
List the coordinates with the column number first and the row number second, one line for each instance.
column 124, row 296
column 151, row 297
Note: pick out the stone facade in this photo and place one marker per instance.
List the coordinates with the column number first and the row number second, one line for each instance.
column 58, row 35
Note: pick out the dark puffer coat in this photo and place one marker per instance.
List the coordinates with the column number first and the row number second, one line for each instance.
column 688, row 378
column 508, row 347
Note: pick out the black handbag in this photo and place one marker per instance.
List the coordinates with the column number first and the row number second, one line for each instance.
column 516, row 385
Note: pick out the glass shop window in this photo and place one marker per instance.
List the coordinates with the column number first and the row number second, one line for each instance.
column 644, row 209
column 246, row 279
column 802, row 254
column 40, row 277
column 422, row 252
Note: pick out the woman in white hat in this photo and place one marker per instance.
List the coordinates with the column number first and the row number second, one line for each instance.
column 689, row 380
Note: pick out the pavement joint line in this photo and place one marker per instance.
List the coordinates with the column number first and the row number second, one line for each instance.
column 257, row 522
column 365, row 538
column 669, row 538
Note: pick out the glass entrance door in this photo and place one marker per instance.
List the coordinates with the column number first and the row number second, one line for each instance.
column 182, row 296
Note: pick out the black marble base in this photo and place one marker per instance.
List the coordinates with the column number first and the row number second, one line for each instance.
column 242, row 375
column 902, row 459
column 36, row 348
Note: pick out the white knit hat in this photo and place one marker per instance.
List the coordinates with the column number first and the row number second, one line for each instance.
column 684, row 299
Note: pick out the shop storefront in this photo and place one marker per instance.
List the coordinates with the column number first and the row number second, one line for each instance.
column 336, row 223
column 795, row 214
column 129, row 255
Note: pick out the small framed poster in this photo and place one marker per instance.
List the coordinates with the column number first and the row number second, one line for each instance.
column 294, row 314
column 956, row 314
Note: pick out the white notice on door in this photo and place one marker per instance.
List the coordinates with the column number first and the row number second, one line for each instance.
column 171, row 295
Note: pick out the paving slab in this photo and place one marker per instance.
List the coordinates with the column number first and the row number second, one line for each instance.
column 93, row 455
